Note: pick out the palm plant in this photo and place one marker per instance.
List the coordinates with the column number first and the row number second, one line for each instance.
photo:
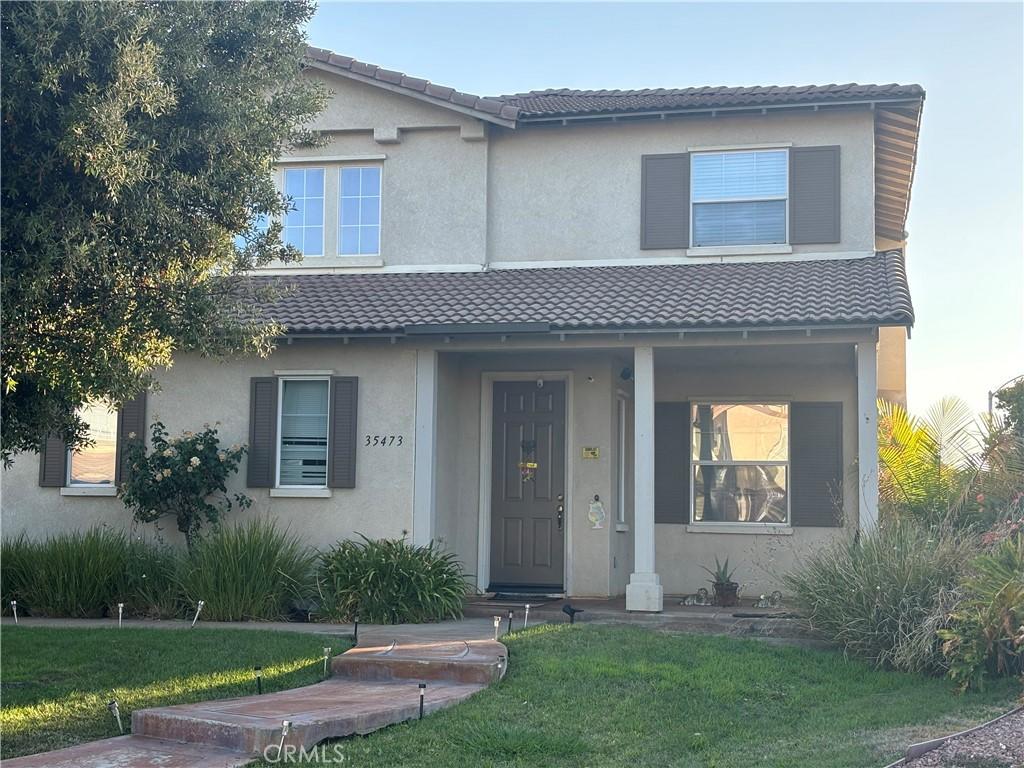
column 949, row 463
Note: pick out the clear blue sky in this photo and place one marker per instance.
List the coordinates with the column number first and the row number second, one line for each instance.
column 965, row 254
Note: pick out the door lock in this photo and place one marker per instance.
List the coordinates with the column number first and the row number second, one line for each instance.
column 560, row 510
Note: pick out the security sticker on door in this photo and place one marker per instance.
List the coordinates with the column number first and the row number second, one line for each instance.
column 591, row 452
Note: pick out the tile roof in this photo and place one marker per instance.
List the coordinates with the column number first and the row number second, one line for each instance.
column 569, row 102
column 871, row 290
column 414, row 85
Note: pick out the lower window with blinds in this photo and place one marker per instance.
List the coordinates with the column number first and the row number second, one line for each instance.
column 303, row 430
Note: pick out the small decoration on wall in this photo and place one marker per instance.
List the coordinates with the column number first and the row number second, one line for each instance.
column 596, row 514
column 591, row 452
column 774, row 600
column 700, row 598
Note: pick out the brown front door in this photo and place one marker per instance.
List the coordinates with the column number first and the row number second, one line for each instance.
column 528, row 485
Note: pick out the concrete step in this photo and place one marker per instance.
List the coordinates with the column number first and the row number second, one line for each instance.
column 475, row 661
column 332, row 709
column 133, row 752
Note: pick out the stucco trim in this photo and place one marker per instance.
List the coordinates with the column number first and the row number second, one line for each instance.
column 87, row 490
column 739, row 250
column 746, row 529
column 487, row 379
column 300, row 493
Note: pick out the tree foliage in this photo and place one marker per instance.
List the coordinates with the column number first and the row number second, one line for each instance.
column 138, row 140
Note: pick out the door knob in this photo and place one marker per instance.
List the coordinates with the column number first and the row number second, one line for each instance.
column 560, row 516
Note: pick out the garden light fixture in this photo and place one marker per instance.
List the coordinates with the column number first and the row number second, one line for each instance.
column 510, row 614
column 115, row 710
column 258, row 671
column 14, row 610
column 327, row 656
column 497, row 626
column 526, row 616
column 198, row 609
column 423, row 690
column 120, row 614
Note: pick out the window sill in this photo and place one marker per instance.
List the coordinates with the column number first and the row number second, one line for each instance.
column 740, row 250
column 324, row 262
column 300, row 493
column 754, row 529
column 86, row 490
column 622, row 527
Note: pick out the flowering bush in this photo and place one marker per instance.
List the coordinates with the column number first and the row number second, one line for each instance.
column 183, row 477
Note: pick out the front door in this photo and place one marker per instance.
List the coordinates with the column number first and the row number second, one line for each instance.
column 528, row 485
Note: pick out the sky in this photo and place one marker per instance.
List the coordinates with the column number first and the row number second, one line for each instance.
column 965, row 254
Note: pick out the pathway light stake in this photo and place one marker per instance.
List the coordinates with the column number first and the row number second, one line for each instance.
column 355, row 630
column 526, row 617
column 510, row 613
column 423, row 690
column 14, row 609
column 198, row 609
column 327, row 656
column 258, row 671
column 286, row 725
column 116, row 712
column 120, row 614
column 497, row 626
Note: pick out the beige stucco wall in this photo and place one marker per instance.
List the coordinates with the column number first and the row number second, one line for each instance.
column 574, row 193
column 196, row 391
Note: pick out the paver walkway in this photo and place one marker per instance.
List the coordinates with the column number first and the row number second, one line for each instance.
column 373, row 685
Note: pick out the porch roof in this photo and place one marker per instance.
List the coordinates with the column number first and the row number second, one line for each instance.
column 826, row 292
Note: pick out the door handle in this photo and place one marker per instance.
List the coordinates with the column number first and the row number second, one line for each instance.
column 560, row 510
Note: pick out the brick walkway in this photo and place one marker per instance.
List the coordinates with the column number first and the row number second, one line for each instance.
column 373, row 685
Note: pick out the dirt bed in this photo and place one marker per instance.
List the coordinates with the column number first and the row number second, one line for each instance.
column 1000, row 745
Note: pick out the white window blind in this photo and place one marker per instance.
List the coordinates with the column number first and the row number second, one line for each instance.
column 303, row 454
column 739, row 198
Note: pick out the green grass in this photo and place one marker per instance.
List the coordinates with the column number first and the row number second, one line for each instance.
column 624, row 696
column 56, row 682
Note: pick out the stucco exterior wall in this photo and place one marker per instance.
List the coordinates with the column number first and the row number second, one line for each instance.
column 196, row 391
column 573, row 193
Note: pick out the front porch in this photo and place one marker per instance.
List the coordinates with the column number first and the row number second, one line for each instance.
column 612, row 424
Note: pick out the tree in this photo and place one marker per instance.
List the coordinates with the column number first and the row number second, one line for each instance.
column 138, row 139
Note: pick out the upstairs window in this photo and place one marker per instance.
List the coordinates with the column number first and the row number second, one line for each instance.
column 303, row 431
column 304, row 224
column 739, row 198
column 359, row 218
column 94, row 464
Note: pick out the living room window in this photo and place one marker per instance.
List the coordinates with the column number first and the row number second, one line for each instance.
column 359, row 217
column 739, row 198
column 94, row 464
column 740, row 462
column 304, row 224
column 302, row 426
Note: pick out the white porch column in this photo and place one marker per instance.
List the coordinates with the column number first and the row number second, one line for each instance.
column 423, row 499
column 867, row 434
column 644, row 592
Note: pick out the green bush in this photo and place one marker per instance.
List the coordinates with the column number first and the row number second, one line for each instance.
column 883, row 597
column 150, row 585
column 389, row 581
column 76, row 574
column 252, row 570
column 986, row 628
column 16, row 558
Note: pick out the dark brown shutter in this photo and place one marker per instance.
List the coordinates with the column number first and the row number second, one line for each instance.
column 813, row 195
column 131, row 427
column 665, row 201
column 341, row 443
column 262, row 467
column 816, row 463
column 671, row 462
column 53, row 463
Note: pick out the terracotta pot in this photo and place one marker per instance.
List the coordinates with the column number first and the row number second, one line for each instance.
column 726, row 593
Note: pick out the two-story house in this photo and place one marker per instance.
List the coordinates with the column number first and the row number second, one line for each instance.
column 588, row 340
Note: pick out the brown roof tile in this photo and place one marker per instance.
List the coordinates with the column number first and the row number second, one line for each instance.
column 871, row 290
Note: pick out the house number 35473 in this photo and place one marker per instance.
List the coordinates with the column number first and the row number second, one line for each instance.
column 384, row 441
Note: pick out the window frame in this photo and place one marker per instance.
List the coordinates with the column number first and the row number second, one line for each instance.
column 323, row 205
column 70, row 455
column 380, row 213
column 280, row 415
column 620, row 464
column 694, row 463
column 785, row 198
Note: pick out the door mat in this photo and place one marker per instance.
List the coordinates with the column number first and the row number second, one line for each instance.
column 521, row 598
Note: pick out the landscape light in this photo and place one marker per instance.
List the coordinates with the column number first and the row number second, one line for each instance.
column 258, row 671
column 497, row 626
column 198, row 609
column 14, row 609
column 120, row 614
column 327, row 655
column 115, row 710
column 423, row 690
column 526, row 617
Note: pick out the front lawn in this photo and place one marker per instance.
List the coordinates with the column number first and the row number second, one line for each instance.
column 589, row 695
column 56, row 682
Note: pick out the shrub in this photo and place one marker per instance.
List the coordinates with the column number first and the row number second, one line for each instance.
column 181, row 477
column 883, row 597
column 986, row 636
column 76, row 574
column 390, row 581
column 252, row 570
column 16, row 558
column 150, row 586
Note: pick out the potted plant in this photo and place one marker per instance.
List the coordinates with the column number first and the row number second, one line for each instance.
column 726, row 590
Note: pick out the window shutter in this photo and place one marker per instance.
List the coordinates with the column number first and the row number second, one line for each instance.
column 341, row 443
column 813, row 195
column 131, row 427
column 53, row 463
column 816, row 464
column 665, row 201
column 671, row 462
column 262, row 467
